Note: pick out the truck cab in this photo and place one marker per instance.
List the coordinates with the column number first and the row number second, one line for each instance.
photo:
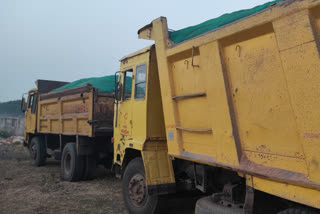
column 29, row 106
column 140, row 146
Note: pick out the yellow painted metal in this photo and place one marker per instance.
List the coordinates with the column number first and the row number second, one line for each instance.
column 158, row 166
column 300, row 194
column 77, row 112
column 67, row 115
column 246, row 97
column 30, row 117
column 139, row 124
column 130, row 129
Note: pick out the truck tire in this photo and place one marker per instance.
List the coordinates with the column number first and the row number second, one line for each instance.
column 207, row 206
column 89, row 167
column 37, row 149
column 135, row 193
column 72, row 165
column 298, row 211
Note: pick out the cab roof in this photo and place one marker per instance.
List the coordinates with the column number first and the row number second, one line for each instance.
column 139, row 52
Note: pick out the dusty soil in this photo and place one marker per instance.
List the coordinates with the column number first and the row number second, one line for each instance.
column 28, row 189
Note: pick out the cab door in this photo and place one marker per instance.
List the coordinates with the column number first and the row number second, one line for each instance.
column 125, row 110
column 123, row 113
column 31, row 113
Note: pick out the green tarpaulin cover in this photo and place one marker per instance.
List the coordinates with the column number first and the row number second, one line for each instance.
column 103, row 84
column 193, row 31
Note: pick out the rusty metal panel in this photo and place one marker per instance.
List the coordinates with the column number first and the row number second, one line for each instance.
column 103, row 113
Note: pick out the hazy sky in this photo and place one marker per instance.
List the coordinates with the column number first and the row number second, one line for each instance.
column 72, row 39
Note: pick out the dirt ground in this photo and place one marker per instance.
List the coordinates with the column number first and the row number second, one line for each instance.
column 26, row 189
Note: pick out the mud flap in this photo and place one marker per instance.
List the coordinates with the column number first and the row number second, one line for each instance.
column 158, row 168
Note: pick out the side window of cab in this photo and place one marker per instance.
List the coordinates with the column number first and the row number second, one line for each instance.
column 31, row 97
column 140, row 82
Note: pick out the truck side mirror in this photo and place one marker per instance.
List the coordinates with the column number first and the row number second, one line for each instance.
column 117, row 94
column 23, row 104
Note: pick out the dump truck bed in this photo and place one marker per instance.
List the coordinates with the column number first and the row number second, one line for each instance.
column 246, row 97
column 79, row 111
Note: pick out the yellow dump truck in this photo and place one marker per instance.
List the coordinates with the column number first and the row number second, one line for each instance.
column 231, row 110
column 74, row 125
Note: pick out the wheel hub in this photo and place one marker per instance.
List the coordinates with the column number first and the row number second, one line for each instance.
column 137, row 190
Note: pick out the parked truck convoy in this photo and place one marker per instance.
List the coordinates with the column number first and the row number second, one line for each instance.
column 229, row 107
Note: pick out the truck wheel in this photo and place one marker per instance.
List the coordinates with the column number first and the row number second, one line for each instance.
column 72, row 165
column 207, row 206
column 90, row 167
column 297, row 211
column 134, row 190
column 37, row 149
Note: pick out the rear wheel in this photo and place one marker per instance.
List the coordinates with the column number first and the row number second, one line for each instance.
column 37, row 149
column 72, row 165
column 135, row 193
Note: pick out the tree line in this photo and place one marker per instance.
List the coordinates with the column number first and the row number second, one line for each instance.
column 11, row 108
